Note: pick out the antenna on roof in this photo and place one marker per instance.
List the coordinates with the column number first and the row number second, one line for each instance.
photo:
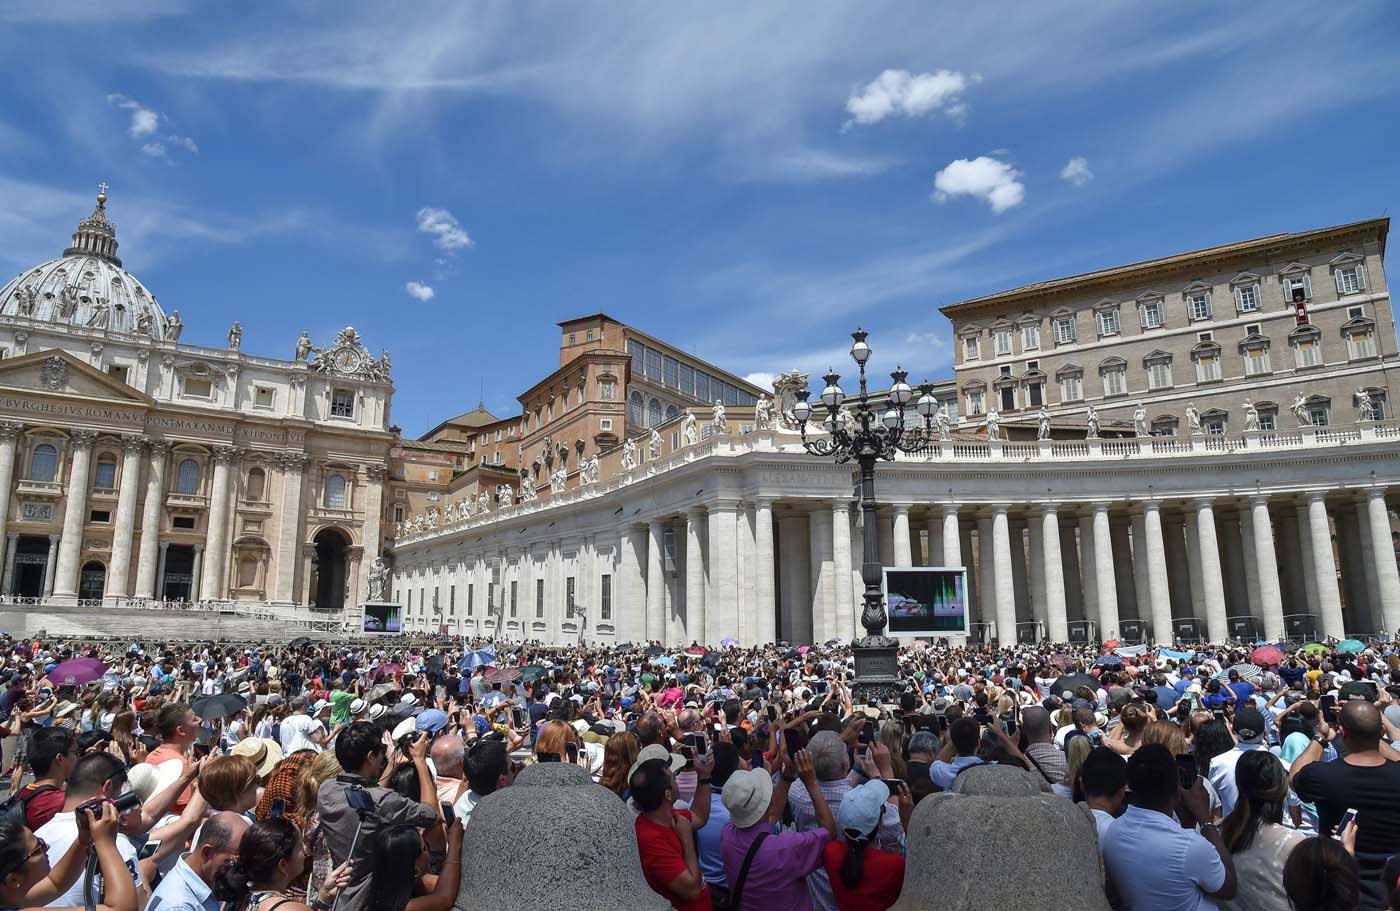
column 481, row 394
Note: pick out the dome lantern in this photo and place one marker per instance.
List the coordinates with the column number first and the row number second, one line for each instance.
column 96, row 236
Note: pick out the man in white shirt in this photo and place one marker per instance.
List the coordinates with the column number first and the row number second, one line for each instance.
column 95, row 776
column 300, row 731
column 1249, row 733
column 1153, row 862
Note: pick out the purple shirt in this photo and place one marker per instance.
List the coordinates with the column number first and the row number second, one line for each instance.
column 777, row 877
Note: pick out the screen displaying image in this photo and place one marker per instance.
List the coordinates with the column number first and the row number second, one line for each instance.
column 926, row 601
column 382, row 618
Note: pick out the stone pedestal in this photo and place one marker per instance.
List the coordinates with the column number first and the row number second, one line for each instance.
column 551, row 842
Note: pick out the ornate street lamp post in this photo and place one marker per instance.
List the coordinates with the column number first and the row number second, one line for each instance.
column 864, row 437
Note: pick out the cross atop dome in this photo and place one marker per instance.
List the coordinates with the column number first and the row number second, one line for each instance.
column 102, row 193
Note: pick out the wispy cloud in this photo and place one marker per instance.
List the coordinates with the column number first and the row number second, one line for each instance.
column 1076, row 171
column 446, row 231
column 419, row 291
column 989, row 179
column 145, row 126
column 905, row 94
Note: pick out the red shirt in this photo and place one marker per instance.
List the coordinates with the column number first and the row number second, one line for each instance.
column 40, row 808
column 881, row 878
column 663, row 861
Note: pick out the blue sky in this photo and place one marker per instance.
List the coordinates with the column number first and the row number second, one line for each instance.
column 746, row 180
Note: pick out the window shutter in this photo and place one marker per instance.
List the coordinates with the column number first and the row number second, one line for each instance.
column 1360, row 277
column 1337, row 280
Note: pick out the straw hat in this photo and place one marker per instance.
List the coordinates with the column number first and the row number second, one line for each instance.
column 265, row 753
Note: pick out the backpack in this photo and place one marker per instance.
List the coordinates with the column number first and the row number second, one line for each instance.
column 16, row 807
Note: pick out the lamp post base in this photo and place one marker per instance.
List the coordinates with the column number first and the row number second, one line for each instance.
column 877, row 670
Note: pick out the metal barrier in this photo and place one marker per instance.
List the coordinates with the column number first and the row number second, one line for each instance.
column 1082, row 632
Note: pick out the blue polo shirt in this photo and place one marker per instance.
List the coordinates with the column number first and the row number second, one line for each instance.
column 1156, row 865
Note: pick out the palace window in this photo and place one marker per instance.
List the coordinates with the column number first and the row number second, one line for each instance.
column 1319, row 413
column 1108, row 321
column 1214, row 422
column 1030, row 336
column 1198, row 305
column 653, row 364
column 1064, row 330
column 687, row 379
column 1256, row 360
column 605, row 424
column 975, row 401
column 539, row 599
column 672, row 412
column 1001, row 341
column 672, row 368
column 105, row 476
column 1071, row 386
column 1268, row 416
column 1292, row 283
column 1159, row 373
column 972, row 348
column 187, row 477
column 605, row 598
column 702, row 386
column 1115, row 380
column 654, row 413
column 1361, row 344
column 636, row 410
column 1377, row 412
column 262, row 396
column 1208, row 366
column 1164, row 426
column 335, row 492
column 569, row 586
column 1307, row 348
column 1152, row 314
column 1350, row 280
column 1034, row 396
column 398, row 513
column 1247, row 298
column 198, row 389
column 257, row 482
column 1008, row 398
column 342, row 403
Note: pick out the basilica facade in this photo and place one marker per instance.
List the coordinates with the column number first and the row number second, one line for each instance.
column 139, row 470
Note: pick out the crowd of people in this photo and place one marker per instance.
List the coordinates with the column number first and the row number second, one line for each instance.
column 182, row 776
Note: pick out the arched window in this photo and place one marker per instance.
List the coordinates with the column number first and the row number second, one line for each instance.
column 636, row 410
column 335, row 492
column 105, row 477
column 257, row 482
column 654, row 413
column 187, row 477
column 672, row 412
column 43, row 464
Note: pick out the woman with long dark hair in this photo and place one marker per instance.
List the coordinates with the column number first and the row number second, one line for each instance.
column 400, row 879
column 1255, row 834
column 1321, row 875
column 270, row 859
column 863, row 877
column 27, row 881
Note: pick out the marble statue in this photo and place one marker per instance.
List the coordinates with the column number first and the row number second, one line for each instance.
column 24, row 301
column 384, row 364
column 235, row 336
column 101, row 314
column 527, row 489
column 851, row 425
column 719, row 423
column 483, row 502
column 1092, row 420
column 1300, row 410
column 378, row 576
column 559, row 480
column 398, row 530
column 303, row 347
column 433, row 517
column 786, row 387
column 174, row 326
column 1193, row 419
column 692, row 434
column 763, row 414
column 944, row 423
column 654, row 445
column 465, row 508
column 505, row 495
column 449, row 515
column 590, row 471
column 417, row 525
column 1251, row 416
column 143, row 323
column 1140, row 427
column 1043, row 431
column 67, row 303
column 993, row 424
column 1365, row 405
column 629, row 454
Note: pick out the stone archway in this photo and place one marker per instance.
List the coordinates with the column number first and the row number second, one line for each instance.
column 92, row 581
column 330, row 569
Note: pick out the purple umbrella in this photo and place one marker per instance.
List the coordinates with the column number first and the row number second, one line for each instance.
column 729, row 641
column 77, row 672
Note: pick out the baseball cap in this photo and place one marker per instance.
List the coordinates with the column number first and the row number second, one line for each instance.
column 860, row 809
column 747, row 795
column 432, row 721
column 1249, row 724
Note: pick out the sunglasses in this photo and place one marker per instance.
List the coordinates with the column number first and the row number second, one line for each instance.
column 40, row 847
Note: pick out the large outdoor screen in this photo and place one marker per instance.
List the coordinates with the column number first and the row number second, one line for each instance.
column 926, row 601
column 382, row 618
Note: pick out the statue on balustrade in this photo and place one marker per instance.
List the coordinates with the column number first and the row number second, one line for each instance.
column 174, row 326
column 143, row 322
column 449, row 515
column 692, row 435
column 1300, row 410
column 629, row 454
column 465, row 508
column 1140, row 427
column 993, row 424
column 1365, row 405
column 303, row 347
column 654, row 445
column 763, row 414
column 101, row 314
column 24, row 301
column 378, row 578
column 1193, row 419
column 505, row 495
column 483, row 502
column 398, row 529
column 559, row 480
column 1251, row 416
column 418, row 525
column 590, row 471
column 235, row 336
column 719, row 423
column 1091, row 419
column 786, row 388
column 944, row 423
column 67, row 303
column 527, row 489
column 433, row 517
column 1043, row 432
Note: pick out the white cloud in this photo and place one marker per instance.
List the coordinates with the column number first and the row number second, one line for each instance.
column 922, row 339
column 909, row 95
column 760, row 379
column 1076, row 171
column 145, row 125
column 154, row 149
column 989, row 179
column 446, row 229
column 419, row 291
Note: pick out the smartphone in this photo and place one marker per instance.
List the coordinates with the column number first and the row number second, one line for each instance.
column 1347, row 819
column 867, row 732
column 1187, row 770
column 148, row 849
column 571, row 749
column 893, row 784
column 279, row 806
column 517, row 717
column 447, row 812
column 792, row 747
column 696, row 742
column 547, row 757
column 772, row 713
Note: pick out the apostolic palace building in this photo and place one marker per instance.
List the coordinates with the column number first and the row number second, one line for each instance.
column 1196, row 446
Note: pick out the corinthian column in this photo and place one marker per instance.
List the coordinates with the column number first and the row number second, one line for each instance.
column 65, row 580
column 765, row 586
column 289, row 528
column 841, row 557
column 1056, row 617
column 1001, row 576
column 1387, row 576
column 1105, row 574
column 903, row 548
column 9, row 436
column 1329, row 598
column 1155, row 558
column 118, row 572
column 150, row 522
column 1212, row 580
column 1266, row 564
column 694, row 626
column 211, row 583
column 655, row 584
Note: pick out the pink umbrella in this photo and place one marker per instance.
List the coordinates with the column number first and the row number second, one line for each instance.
column 803, row 649
column 1266, row 655
column 387, row 670
column 501, row 675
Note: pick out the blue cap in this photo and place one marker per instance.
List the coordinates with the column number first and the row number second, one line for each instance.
column 432, row 721
column 860, row 809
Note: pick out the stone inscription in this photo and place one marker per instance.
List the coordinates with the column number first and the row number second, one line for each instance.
column 189, row 424
column 69, row 410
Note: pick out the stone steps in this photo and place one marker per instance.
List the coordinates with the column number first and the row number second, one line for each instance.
column 83, row 622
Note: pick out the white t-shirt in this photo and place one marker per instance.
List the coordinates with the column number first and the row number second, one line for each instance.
column 59, row 834
column 296, row 733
